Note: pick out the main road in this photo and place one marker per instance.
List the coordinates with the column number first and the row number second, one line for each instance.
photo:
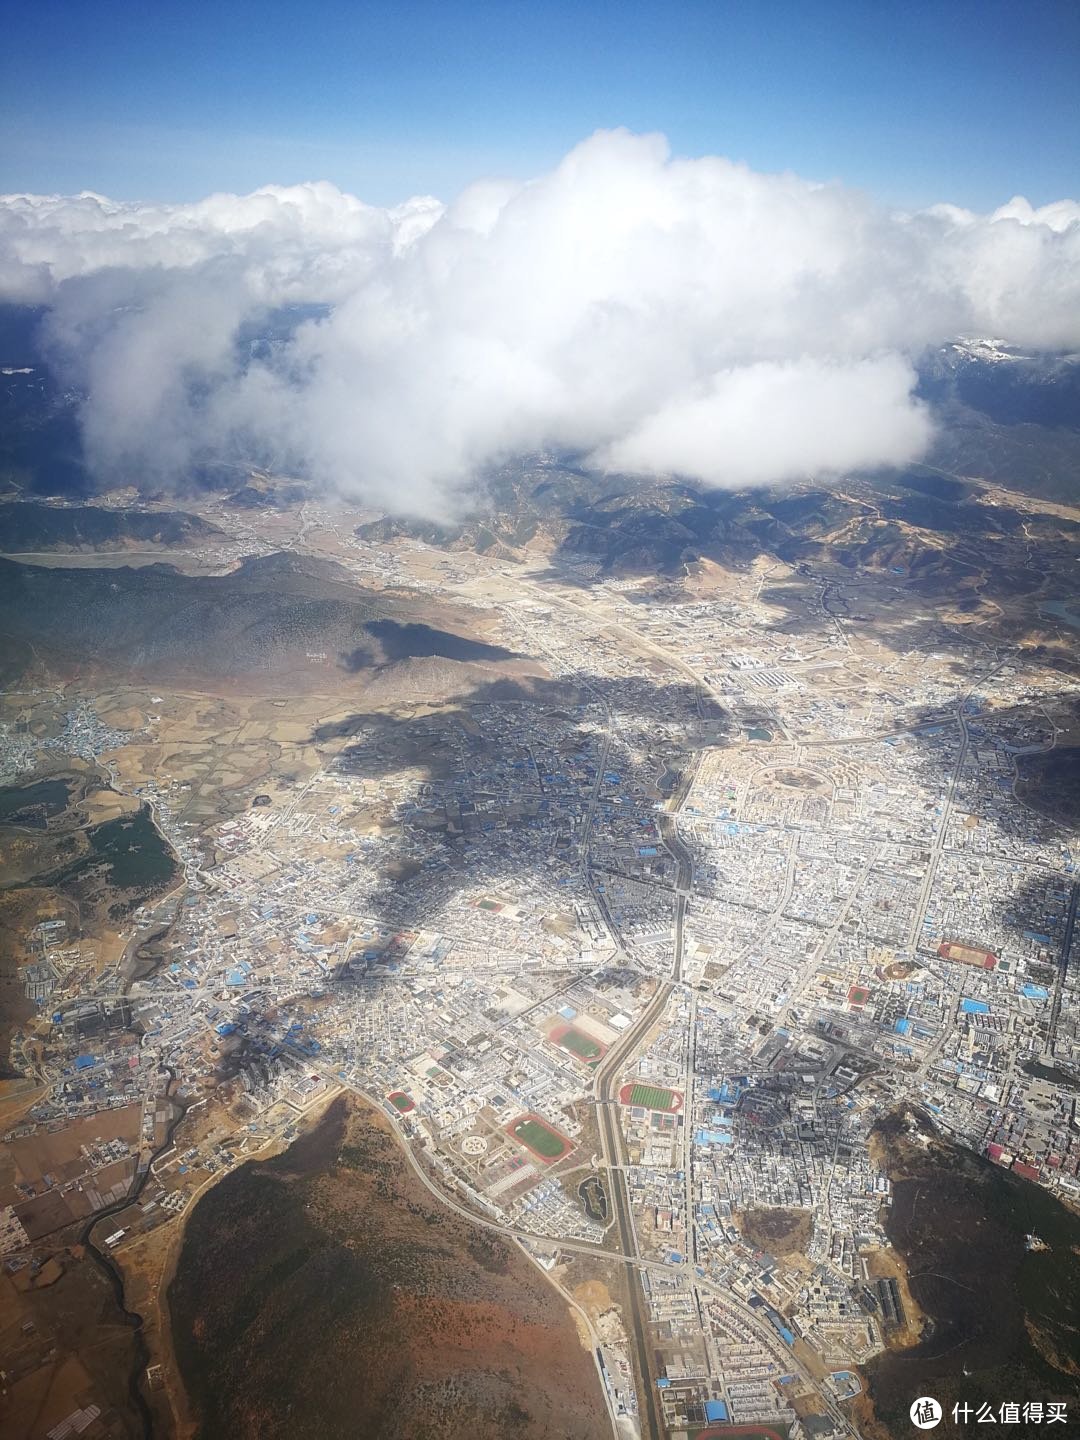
column 607, row 1114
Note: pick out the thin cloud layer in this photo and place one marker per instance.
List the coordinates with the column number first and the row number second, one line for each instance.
column 661, row 315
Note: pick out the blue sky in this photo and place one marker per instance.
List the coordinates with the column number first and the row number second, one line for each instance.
column 916, row 102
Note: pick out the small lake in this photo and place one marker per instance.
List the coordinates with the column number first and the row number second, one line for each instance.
column 33, row 804
column 668, row 782
column 1067, row 610
column 134, row 850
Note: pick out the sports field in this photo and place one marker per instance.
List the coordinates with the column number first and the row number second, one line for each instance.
column 401, row 1102
column 651, row 1097
column 967, row 954
column 540, row 1138
column 580, row 1045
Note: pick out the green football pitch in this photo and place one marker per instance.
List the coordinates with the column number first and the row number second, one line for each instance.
column 579, row 1044
column 539, row 1138
column 652, row 1097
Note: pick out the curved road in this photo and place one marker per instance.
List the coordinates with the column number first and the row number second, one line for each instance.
column 112, row 1271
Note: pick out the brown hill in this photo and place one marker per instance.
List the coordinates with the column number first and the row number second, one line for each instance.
column 277, row 621
column 33, row 526
column 325, row 1293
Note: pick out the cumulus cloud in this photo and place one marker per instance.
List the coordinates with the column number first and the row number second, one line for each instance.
column 661, row 315
column 757, row 423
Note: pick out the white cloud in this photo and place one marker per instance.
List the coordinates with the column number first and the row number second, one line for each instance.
column 662, row 314
column 756, row 423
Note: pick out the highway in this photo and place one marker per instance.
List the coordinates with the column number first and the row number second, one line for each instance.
column 607, row 1118
column 610, row 1069
column 1066, row 945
